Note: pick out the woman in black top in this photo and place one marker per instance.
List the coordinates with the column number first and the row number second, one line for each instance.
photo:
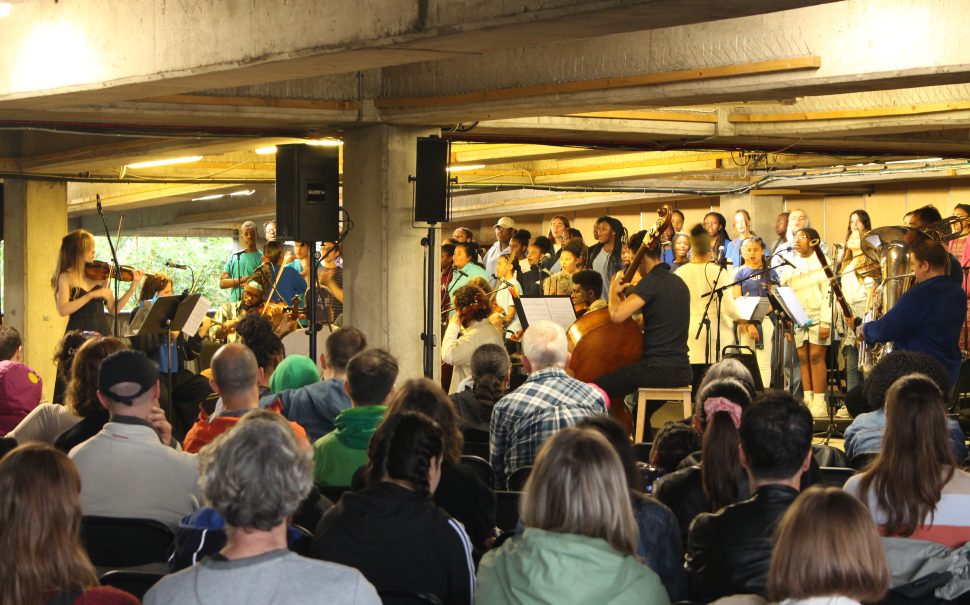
column 391, row 531
column 490, row 375
column 79, row 297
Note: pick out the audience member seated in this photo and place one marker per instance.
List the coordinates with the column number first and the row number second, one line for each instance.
column 548, row 401
column 370, row 381
column 828, row 551
column 315, row 406
column 391, row 531
column 294, row 372
column 82, row 391
column 864, row 435
column 461, row 492
column 20, row 391
column 130, row 469
column 914, row 488
column 236, row 378
column 659, row 546
column 728, row 552
column 256, row 332
column 580, row 539
column 11, row 344
column 490, row 382
column 40, row 513
column 255, row 477
column 718, row 480
column 63, row 358
column 674, row 442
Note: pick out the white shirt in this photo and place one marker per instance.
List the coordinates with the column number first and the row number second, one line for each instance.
column 504, row 299
column 491, row 257
column 457, row 349
column 127, row 472
column 699, row 278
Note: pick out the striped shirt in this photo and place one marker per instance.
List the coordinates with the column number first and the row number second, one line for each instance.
column 524, row 419
column 949, row 524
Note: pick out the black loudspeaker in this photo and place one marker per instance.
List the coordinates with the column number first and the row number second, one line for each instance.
column 432, row 204
column 307, row 193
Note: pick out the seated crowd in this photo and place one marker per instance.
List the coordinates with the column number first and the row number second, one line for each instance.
column 357, row 486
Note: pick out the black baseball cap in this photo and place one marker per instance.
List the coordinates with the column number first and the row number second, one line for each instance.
column 126, row 366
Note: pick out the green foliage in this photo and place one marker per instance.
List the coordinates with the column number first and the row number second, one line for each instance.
column 206, row 255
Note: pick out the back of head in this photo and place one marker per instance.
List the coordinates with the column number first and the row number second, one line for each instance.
column 490, row 371
column 257, row 333
column 273, row 251
column 234, row 370
column 10, row 341
column 402, row 448
column 674, row 442
column 577, row 486
column 522, row 237
column 827, row 545
column 729, row 367
column 776, row 434
column 897, row 364
column 64, row 353
column 472, row 302
column 370, row 376
column 543, row 243
column 700, row 241
column 83, row 387
column 342, row 345
column 927, row 215
column 916, row 459
column 40, row 512
column 256, row 474
column 616, row 435
column 427, row 397
column 126, row 380
column 294, row 372
column 721, row 406
column 544, row 345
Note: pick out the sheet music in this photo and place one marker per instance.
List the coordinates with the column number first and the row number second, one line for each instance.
column 196, row 316
column 748, row 307
column 557, row 309
column 794, row 307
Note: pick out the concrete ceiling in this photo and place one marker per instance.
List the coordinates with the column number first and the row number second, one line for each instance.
column 565, row 102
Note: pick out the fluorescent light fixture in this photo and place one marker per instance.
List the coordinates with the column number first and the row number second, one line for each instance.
column 166, row 162
column 915, row 161
column 243, row 192
column 5, row 8
column 466, row 167
column 266, row 150
column 208, row 197
column 325, row 143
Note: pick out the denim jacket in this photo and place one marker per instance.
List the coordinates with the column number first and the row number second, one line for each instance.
column 864, row 435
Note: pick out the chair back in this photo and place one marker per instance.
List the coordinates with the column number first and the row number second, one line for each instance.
column 481, row 467
column 507, row 510
column 518, row 478
column 114, row 542
column 835, row 476
column 827, row 455
column 133, row 582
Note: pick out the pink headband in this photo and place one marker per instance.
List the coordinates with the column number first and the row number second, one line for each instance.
column 713, row 405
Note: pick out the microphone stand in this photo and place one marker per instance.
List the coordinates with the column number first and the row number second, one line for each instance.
column 705, row 321
column 114, row 259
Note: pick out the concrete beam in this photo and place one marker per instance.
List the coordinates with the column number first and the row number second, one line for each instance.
column 143, row 48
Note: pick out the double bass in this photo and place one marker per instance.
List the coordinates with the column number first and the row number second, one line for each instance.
column 597, row 345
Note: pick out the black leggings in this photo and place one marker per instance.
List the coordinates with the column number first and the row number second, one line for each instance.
column 628, row 379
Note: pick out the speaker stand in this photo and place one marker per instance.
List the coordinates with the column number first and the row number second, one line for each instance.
column 430, row 319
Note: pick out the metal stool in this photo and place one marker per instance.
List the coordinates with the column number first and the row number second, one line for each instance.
column 666, row 394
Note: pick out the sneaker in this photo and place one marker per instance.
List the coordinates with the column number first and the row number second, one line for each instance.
column 843, row 414
column 818, row 408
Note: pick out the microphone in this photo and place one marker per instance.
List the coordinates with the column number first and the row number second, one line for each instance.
column 462, row 273
column 721, row 257
column 97, row 197
column 239, row 252
column 545, row 257
column 175, row 265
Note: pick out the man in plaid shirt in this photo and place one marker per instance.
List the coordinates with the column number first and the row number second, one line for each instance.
column 549, row 400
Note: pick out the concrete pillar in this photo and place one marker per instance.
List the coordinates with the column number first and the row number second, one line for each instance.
column 35, row 220
column 764, row 209
column 383, row 257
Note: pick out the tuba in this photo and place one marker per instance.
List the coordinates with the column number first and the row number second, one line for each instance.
column 889, row 248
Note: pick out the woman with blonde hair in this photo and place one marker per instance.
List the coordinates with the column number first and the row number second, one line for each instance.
column 40, row 512
column 914, row 488
column 80, row 297
column 827, row 547
column 580, row 539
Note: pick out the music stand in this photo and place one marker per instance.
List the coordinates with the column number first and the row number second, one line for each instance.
column 557, row 309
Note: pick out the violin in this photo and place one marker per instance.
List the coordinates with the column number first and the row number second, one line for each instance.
column 100, row 270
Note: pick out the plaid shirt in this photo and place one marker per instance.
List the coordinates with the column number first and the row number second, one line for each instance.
column 549, row 400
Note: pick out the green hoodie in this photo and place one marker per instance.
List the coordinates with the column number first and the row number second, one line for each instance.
column 338, row 455
column 544, row 567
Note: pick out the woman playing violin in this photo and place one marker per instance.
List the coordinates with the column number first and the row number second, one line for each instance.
column 80, row 296
column 467, row 330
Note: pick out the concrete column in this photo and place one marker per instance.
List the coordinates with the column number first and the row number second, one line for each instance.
column 383, row 257
column 35, row 220
column 764, row 209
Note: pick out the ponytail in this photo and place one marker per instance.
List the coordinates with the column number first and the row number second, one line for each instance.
column 720, row 462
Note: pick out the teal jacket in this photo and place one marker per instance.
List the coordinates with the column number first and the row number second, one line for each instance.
column 548, row 567
column 338, row 455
